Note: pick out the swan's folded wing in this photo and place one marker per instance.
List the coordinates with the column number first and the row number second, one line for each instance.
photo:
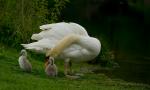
column 59, row 30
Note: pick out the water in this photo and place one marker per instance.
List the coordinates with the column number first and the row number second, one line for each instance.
column 133, row 70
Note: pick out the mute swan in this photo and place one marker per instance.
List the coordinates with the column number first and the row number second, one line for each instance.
column 24, row 64
column 51, row 68
column 68, row 41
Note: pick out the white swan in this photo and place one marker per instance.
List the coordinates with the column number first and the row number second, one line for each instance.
column 68, row 41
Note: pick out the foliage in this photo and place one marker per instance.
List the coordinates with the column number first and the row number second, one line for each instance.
column 56, row 10
column 19, row 19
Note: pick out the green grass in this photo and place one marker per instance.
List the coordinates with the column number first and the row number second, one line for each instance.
column 12, row 78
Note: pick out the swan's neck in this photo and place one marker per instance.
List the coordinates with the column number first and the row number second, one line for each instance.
column 89, row 43
column 62, row 44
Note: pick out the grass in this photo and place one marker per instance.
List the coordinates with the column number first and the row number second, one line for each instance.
column 12, row 78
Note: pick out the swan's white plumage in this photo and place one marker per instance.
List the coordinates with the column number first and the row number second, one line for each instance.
column 57, row 31
column 86, row 48
column 40, row 46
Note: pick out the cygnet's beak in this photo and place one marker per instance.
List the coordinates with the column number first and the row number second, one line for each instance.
column 20, row 54
column 46, row 61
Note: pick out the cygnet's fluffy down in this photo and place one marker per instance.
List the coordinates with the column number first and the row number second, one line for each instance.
column 51, row 68
column 24, row 63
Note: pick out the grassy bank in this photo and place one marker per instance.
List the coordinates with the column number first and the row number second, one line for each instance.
column 12, row 78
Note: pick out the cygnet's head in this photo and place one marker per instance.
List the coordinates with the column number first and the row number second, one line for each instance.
column 23, row 52
column 51, row 60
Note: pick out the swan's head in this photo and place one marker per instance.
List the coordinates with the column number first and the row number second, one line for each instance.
column 23, row 52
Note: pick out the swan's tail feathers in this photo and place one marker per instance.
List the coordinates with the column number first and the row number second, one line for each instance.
column 28, row 46
column 34, row 48
column 39, row 46
column 36, row 37
column 24, row 45
column 51, row 26
column 46, row 26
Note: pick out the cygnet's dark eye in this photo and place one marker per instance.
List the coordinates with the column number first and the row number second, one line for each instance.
column 46, row 57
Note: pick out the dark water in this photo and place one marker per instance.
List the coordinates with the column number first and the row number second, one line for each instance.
column 133, row 57
column 133, row 70
column 132, row 45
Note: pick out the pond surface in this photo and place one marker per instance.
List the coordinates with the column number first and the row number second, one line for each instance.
column 133, row 70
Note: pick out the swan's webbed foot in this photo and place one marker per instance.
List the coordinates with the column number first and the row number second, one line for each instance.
column 72, row 77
